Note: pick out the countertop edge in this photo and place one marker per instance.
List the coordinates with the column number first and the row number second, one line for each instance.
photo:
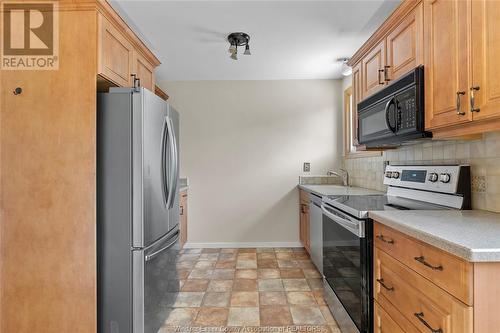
column 305, row 188
column 468, row 254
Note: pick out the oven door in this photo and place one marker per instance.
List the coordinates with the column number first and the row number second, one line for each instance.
column 379, row 122
column 346, row 269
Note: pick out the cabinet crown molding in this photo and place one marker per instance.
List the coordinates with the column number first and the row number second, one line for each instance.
column 399, row 13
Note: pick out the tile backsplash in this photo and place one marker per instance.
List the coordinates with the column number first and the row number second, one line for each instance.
column 482, row 155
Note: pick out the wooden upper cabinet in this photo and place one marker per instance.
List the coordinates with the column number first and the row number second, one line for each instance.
column 115, row 54
column 485, row 87
column 404, row 45
column 357, row 95
column 446, row 62
column 144, row 71
column 372, row 70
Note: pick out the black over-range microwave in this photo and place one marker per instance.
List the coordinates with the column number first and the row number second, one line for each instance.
column 395, row 114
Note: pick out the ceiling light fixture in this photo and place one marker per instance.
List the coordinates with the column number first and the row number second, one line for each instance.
column 236, row 39
column 346, row 69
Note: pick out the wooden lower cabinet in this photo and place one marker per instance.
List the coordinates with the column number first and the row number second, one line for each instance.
column 183, row 219
column 304, row 220
column 407, row 299
column 454, row 274
column 419, row 300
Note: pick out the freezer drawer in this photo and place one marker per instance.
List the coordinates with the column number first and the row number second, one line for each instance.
column 156, row 283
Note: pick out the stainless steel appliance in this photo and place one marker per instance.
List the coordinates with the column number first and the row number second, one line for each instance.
column 348, row 233
column 316, row 231
column 395, row 114
column 137, row 210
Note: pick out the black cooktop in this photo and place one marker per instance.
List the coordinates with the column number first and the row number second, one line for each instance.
column 360, row 205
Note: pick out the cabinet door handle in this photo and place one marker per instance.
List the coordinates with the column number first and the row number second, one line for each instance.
column 459, row 111
column 383, row 239
column 472, row 100
column 386, row 73
column 420, row 317
column 381, row 281
column 182, row 210
column 380, row 71
column 421, row 260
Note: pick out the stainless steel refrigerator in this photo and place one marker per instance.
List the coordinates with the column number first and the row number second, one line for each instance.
column 137, row 210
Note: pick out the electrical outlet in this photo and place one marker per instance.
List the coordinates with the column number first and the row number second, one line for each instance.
column 307, row 167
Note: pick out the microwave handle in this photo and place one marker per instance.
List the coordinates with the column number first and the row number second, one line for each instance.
column 387, row 108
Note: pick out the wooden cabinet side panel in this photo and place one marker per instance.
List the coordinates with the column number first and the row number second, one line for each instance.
column 446, row 61
column 486, row 297
column 486, row 57
column 405, row 44
column 48, row 172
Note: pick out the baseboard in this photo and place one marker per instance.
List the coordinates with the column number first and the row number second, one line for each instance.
column 224, row 245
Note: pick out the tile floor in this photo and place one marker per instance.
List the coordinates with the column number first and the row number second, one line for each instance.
column 258, row 290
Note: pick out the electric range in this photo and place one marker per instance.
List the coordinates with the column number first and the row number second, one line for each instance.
column 348, row 232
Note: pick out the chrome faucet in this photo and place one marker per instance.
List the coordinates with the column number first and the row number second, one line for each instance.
column 344, row 174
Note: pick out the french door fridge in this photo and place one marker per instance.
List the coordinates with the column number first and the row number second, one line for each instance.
column 137, row 210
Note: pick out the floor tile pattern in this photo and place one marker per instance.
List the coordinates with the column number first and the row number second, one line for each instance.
column 263, row 289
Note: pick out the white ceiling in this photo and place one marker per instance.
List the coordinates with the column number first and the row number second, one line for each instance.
column 289, row 39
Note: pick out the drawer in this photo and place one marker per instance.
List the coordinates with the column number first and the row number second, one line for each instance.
column 304, row 196
column 390, row 320
column 421, row 302
column 447, row 271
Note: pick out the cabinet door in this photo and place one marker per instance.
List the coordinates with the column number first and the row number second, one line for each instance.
column 304, row 225
column 404, row 44
column 144, row 71
column 372, row 70
column 446, row 62
column 115, row 54
column 183, row 222
column 383, row 322
column 485, row 59
column 356, row 98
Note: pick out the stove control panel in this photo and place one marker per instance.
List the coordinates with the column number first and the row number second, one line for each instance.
column 437, row 178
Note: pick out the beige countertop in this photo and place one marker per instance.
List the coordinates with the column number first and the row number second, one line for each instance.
column 323, row 190
column 473, row 235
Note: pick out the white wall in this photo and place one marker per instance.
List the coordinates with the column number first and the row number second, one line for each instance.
column 242, row 147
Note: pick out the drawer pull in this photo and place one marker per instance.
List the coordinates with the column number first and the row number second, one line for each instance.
column 420, row 316
column 421, row 260
column 383, row 239
column 381, row 281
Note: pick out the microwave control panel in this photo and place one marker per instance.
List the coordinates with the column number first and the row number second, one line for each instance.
column 407, row 105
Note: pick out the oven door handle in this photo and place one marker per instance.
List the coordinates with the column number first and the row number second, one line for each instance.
column 355, row 228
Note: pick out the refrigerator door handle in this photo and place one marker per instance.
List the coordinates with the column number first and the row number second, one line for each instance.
column 163, row 165
column 172, row 185
column 151, row 256
column 177, row 169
